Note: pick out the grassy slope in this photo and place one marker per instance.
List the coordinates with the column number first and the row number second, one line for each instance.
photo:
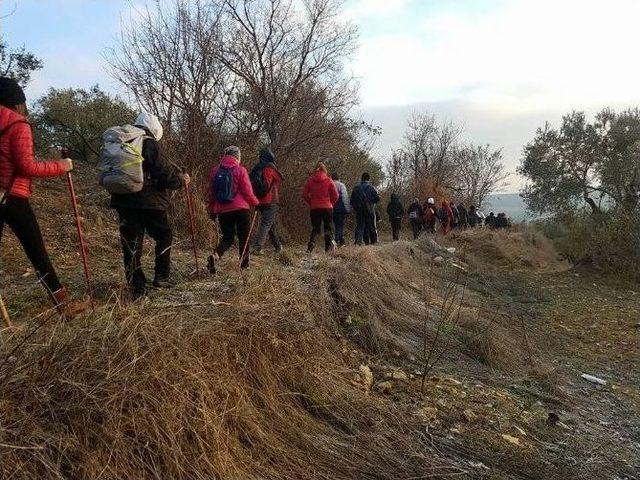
column 258, row 375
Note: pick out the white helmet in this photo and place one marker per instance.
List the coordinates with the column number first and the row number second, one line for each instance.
column 431, row 201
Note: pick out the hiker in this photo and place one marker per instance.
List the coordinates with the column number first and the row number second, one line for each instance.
column 265, row 181
column 446, row 217
column 363, row 200
column 145, row 211
column 17, row 170
column 490, row 221
column 415, row 217
column 341, row 209
column 230, row 199
column 463, row 217
column 502, row 222
column 429, row 215
column 321, row 194
column 474, row 217
column 395, row 210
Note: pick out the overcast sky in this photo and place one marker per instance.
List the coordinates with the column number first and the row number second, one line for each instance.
column 500, row 67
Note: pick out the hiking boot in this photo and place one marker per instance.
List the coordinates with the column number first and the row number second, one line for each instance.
column 138, row 293
column 69, row 309
column 257, row 251
column 211, row 263
column 279, row 248
column 245, row 263
column 310, row 247
column 163, row 282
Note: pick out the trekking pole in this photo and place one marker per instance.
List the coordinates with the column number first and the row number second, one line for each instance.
column 246, row 242
column 192, row 224
column 83, row 246
column 5, row 315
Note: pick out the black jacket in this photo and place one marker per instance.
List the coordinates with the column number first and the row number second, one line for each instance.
column 364, row 198
column 417, row 208
column 395, row 208
column 159, row 178
column 463, row 217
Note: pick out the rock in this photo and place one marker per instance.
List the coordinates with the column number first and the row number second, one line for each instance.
column 439, row 259
column 366, row 376
column 553, row 418
column 398, row 375
column 593, row 379
column 469, row 416
column 512, row 440
column 451, row 250
column 385, row 387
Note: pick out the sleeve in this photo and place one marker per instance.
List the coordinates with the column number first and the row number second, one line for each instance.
column 375, row 198
column 389, row 211
column 21, row 148
column 246, row 190
column 345, row 198
column 333, row 193
column 167, row 175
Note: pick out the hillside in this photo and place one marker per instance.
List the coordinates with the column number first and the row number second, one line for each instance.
column 402, row 360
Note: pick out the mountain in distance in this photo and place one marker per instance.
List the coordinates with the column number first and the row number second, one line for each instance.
column 510, row 203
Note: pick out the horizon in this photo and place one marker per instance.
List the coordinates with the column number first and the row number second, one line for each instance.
column 494, row 72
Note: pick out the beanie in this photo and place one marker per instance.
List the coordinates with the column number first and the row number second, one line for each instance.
column 11, row 94
column 233, row 151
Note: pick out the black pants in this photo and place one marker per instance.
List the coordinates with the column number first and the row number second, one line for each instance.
column 338, row 222
column 232, row 223
column 134, row 223
column 17, row 213
column 319, row 218
column 366, row 230
column 396, row 225
column 416, row 227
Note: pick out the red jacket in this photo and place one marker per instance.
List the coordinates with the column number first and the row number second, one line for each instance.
column 244, row 198
column 17, row 164
column 273, row 179
column 320, row 192
column 447, row 222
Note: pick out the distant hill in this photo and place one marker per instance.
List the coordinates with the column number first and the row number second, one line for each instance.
column 509, row 203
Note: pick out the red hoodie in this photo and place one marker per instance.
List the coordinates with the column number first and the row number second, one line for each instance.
column 17, row 164
column 447, row 223
column 244, row 198
column 273, row 179
column 320, row 192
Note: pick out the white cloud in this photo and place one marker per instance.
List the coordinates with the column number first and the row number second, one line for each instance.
column 522, row 57
column 361, row 10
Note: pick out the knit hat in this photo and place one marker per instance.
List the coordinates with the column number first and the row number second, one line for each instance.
column 11, row 94
column 233, row 151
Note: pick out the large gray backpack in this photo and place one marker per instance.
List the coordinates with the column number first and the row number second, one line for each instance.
column 120, row 165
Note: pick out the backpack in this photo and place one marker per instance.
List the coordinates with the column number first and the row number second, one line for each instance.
column 223, row 185
column 120, row 164
column 260, row 186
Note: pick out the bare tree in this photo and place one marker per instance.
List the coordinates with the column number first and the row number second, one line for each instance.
column 480, row 171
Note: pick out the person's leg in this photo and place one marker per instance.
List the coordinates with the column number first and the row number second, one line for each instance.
column 228, row 230
column 132, row 238
column 273, row 233
column 243, row 225
column 156, row 224
column 327, row 220
column 338, row 222
column 19, row 216
column 395, row 228
column 316, row 228
column 360, row 227
column 372, row 229
column 266, row 221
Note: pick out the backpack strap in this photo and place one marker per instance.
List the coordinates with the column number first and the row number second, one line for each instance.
column 13, row 179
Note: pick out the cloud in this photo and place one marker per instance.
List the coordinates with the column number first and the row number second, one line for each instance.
column 360, row 10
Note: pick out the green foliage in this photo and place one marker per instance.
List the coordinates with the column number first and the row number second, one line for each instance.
column 18, row 63
column 596, row 162
column 76, row 119
column 608, row 242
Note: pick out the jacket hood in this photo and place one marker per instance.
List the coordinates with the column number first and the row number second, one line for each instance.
column 319, row 176
column 267, row 156
column 229, row 161
column 151, row 123
column 395, row 198
column 8, row 116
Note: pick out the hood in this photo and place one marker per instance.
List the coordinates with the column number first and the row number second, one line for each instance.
column 8, row 116
column 267, row 156
column 229, row 161
column 395, row 198
column 319, row 176
column 151, row 123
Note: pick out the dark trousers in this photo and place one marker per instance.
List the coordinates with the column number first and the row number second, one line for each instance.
column 18, row 214
column 366, row 230
column 319, row 218
column 338, row 222
column 416, row 227
column 134, row 223
column 232, row 223
column 396, row 225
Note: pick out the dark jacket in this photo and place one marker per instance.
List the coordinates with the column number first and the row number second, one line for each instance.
column 159, row 178
column 395, row 208
column 490, row 221
column 474, row 218
column 415, row 212
column 364, row 198
column 463, row 218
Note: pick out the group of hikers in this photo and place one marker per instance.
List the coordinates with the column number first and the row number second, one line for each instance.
column 140, row 180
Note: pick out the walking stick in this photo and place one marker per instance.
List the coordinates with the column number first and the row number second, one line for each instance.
column 5, row 315
column 246, row 242
column 83, row 246
column 192, row 224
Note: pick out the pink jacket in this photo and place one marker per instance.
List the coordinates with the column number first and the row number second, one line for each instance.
column 244, row 198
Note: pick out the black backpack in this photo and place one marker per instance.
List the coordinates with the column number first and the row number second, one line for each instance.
column 258, row 183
